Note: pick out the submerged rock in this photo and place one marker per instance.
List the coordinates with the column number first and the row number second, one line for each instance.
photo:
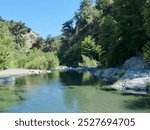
column 7, row 79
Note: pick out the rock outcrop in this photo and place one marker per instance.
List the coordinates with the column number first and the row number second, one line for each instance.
column 137, row 75
column 136, row 64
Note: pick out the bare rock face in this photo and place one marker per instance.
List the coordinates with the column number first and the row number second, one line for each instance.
column 30, row 38
column 137, row 75
column 136, row 64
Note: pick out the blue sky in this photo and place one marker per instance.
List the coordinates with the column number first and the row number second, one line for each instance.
column 43, row 16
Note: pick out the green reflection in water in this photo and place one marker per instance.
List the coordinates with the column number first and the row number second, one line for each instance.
column 67, row 92
column 10, row 96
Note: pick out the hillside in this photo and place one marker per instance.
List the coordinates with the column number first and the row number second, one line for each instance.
column 106, row 33
column 20, row 47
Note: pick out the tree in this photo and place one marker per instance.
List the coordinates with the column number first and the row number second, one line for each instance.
column 131, row 35
column 146, row 50
column 146, row 14
column 85, row 4
column 108, row 27
column 18, row 29
column 7, row 47
column 87, row 47
column 104, row 6
column 67, row 28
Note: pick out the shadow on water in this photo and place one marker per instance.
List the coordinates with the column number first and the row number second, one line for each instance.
column 140, row 102
column 70, row 78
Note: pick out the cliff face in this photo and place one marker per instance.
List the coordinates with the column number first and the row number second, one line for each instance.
column 30, row 39
column 23, row 35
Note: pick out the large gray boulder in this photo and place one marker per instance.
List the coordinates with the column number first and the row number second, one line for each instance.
column 137, row 84
column 136, row 64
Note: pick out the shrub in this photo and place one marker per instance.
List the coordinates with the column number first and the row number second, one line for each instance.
column 52, row 60
column 146, row 50
column 86, row 61
column 37, row 59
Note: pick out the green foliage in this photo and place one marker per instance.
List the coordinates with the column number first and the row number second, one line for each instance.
column 68, row 28
column 36, row 59
column 52, row 60
column 18, row 29
column 72, row 56
column 108, row 32
column 146, row 50
column 128, row 14
column 7, row 47
column 15, row 54
column 40, row 44
column 86, row 61
column 146, row 14
column 117, row 26
column 108, row 28
column 87, row 47
column 120, row 36
column 105, row 6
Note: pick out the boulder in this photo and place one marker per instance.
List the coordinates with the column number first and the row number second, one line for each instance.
column 137, row 84
column 135, row 74
column 109, row 75
column 136, row 64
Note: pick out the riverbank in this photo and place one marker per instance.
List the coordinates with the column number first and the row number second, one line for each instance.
column 133, row 76
column 21, row 72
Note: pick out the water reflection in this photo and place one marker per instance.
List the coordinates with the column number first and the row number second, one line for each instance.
column 140, row 103
column 66, row 92
column 9, row 96
column 77, row 78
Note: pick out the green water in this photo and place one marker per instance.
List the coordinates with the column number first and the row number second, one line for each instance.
column 66, row 92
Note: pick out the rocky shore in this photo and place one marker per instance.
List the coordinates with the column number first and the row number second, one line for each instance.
column 10, row 74
column 133, row 77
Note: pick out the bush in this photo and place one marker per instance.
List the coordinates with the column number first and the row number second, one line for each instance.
column 52, row 60
column 86, row 61
column 87, row 50
column 146, row 50
column 37, row 59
